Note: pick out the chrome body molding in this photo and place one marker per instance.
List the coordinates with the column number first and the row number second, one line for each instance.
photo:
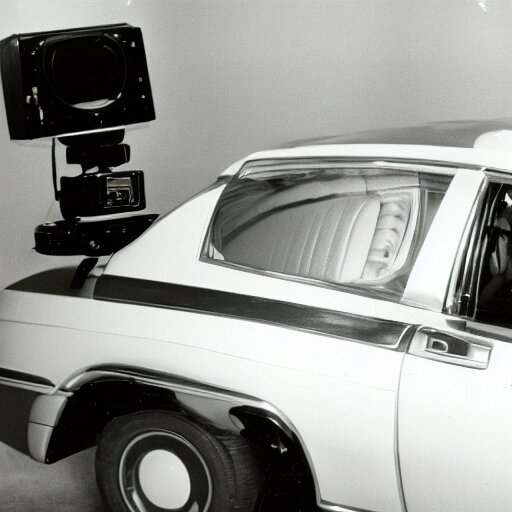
column 328, row 322
column 209, row 402
column 29, row 386
column 206, row 402
column 26, row 381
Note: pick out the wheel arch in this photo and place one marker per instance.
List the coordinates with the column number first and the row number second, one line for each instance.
column 101, row 394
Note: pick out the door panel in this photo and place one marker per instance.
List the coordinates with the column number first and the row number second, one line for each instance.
column 455, row 424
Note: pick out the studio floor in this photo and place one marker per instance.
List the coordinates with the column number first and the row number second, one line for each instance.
column 66, row 486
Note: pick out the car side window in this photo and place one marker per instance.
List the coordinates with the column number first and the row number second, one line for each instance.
column 339, row 224
column 493, row 288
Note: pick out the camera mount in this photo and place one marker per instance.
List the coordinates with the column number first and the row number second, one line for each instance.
column 98, row 190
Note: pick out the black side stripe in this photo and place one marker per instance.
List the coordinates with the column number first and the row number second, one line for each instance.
column 28, row 378
column 246, row 307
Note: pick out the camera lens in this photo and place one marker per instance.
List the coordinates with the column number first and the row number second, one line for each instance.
column 86, row 72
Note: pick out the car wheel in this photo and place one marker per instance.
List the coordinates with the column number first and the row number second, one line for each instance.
column 162, row 462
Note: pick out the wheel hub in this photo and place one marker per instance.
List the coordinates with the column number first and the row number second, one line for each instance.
column 161, row 471
column 164, row 479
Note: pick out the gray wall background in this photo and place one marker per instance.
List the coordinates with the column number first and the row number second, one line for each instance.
column 233, row 76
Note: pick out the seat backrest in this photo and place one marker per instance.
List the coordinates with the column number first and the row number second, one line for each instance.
column 389, row 234
column 328, row 239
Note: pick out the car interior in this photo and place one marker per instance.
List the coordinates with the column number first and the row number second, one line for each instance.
column 353, row 227
column 495, row 290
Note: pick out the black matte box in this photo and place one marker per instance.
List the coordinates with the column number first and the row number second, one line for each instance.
column 75, row 80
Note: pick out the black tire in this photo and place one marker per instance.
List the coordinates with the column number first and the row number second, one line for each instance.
column 221, row 474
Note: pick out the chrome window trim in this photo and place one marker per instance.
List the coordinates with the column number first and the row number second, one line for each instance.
column 369, row 293
column 376, row 162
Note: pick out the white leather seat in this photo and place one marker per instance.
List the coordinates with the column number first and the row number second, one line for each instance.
column 328, row 239
column 389, row 234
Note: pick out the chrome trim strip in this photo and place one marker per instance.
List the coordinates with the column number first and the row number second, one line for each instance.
column 176, row 384
column 38, row 388
column 28, row 378
column 408, row 163
column 347, row 326
column 26, row 381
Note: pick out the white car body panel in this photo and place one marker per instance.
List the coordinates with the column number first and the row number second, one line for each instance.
column 461, row 416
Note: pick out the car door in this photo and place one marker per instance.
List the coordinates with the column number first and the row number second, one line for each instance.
column 455, row 395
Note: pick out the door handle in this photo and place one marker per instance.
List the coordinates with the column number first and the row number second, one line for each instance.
column 437, row 345
column 449, row 348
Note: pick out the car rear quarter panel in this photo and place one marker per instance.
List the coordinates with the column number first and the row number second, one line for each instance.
column 338, row 395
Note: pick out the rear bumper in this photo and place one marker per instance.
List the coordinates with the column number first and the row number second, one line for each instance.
column 16, row 404
column 31, row 409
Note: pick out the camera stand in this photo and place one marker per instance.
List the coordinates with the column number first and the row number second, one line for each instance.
column 97, row 191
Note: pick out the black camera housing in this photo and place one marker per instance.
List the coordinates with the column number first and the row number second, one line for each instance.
column 75, row 80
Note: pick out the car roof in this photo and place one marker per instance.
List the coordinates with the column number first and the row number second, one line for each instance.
column 472, row 143
column 458, row 134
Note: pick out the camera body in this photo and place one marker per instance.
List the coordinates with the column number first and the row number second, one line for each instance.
column 83, row 86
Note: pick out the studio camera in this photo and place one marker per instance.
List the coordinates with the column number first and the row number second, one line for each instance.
column 81, row 87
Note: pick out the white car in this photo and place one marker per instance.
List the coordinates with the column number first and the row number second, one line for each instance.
column 327, row 326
